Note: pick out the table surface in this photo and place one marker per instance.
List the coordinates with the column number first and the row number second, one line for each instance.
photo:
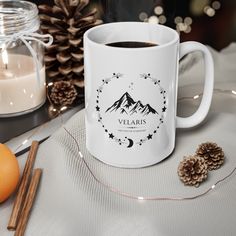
column 70, row 202
column 11, row 127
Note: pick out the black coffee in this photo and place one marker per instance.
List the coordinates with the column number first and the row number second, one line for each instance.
column 131, row 44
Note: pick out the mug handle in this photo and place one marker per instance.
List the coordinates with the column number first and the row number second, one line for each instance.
column 204, row 107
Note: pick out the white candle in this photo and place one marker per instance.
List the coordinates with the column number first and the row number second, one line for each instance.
column 20, row 90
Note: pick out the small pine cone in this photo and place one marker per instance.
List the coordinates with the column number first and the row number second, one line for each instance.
column 63, row 93
column 192, row 170
column 212, row 153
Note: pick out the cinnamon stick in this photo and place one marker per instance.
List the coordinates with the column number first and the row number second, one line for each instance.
column 20, row 197
column 29, row 200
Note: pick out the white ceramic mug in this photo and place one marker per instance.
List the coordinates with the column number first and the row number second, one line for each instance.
column 131, row 93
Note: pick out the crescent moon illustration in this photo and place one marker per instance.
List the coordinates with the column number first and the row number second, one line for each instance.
column 131, row 143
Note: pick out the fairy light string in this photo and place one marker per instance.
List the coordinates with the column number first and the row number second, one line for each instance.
column 151, row 198
column 136, row 197
column 59, row 112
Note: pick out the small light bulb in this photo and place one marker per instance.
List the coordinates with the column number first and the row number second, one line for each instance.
column 24, row 142
column 5, row 57
column 153, row 20
column 182, row 26
column 209, row 11
column 140, row 198
column 63, row 108
column 162, row 19
column 158, row 10
column 188, row 30
column 80, row 154
column 143, row 16
column 216, row 5
column 188, row 20
column 178, row 19
column 205, row 9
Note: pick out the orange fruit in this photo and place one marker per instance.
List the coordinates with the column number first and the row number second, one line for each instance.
column 9, row 172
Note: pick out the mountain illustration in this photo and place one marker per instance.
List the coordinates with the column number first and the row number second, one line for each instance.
column 123, row 104
column 148, row 109
column 138, row 107
column 127, row 105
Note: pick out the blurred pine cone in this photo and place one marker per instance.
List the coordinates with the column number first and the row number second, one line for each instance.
column 192, row 170
column 66, row 21
column 62, row 93
column 212, row 153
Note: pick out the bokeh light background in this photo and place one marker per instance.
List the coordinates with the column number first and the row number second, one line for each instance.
column 212, row 22
column 206, row 21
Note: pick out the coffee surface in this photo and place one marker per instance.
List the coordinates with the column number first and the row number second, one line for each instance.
column 131, row 44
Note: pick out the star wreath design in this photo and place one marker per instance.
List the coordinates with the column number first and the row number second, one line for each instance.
column 127, row 140
column 156, row 82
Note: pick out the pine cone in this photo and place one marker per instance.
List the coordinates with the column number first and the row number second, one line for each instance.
column 212, row 153
column 192, row 170
column 62, row 93
column 66, row 21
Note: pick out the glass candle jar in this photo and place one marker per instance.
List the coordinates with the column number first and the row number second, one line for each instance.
column 22, row 70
